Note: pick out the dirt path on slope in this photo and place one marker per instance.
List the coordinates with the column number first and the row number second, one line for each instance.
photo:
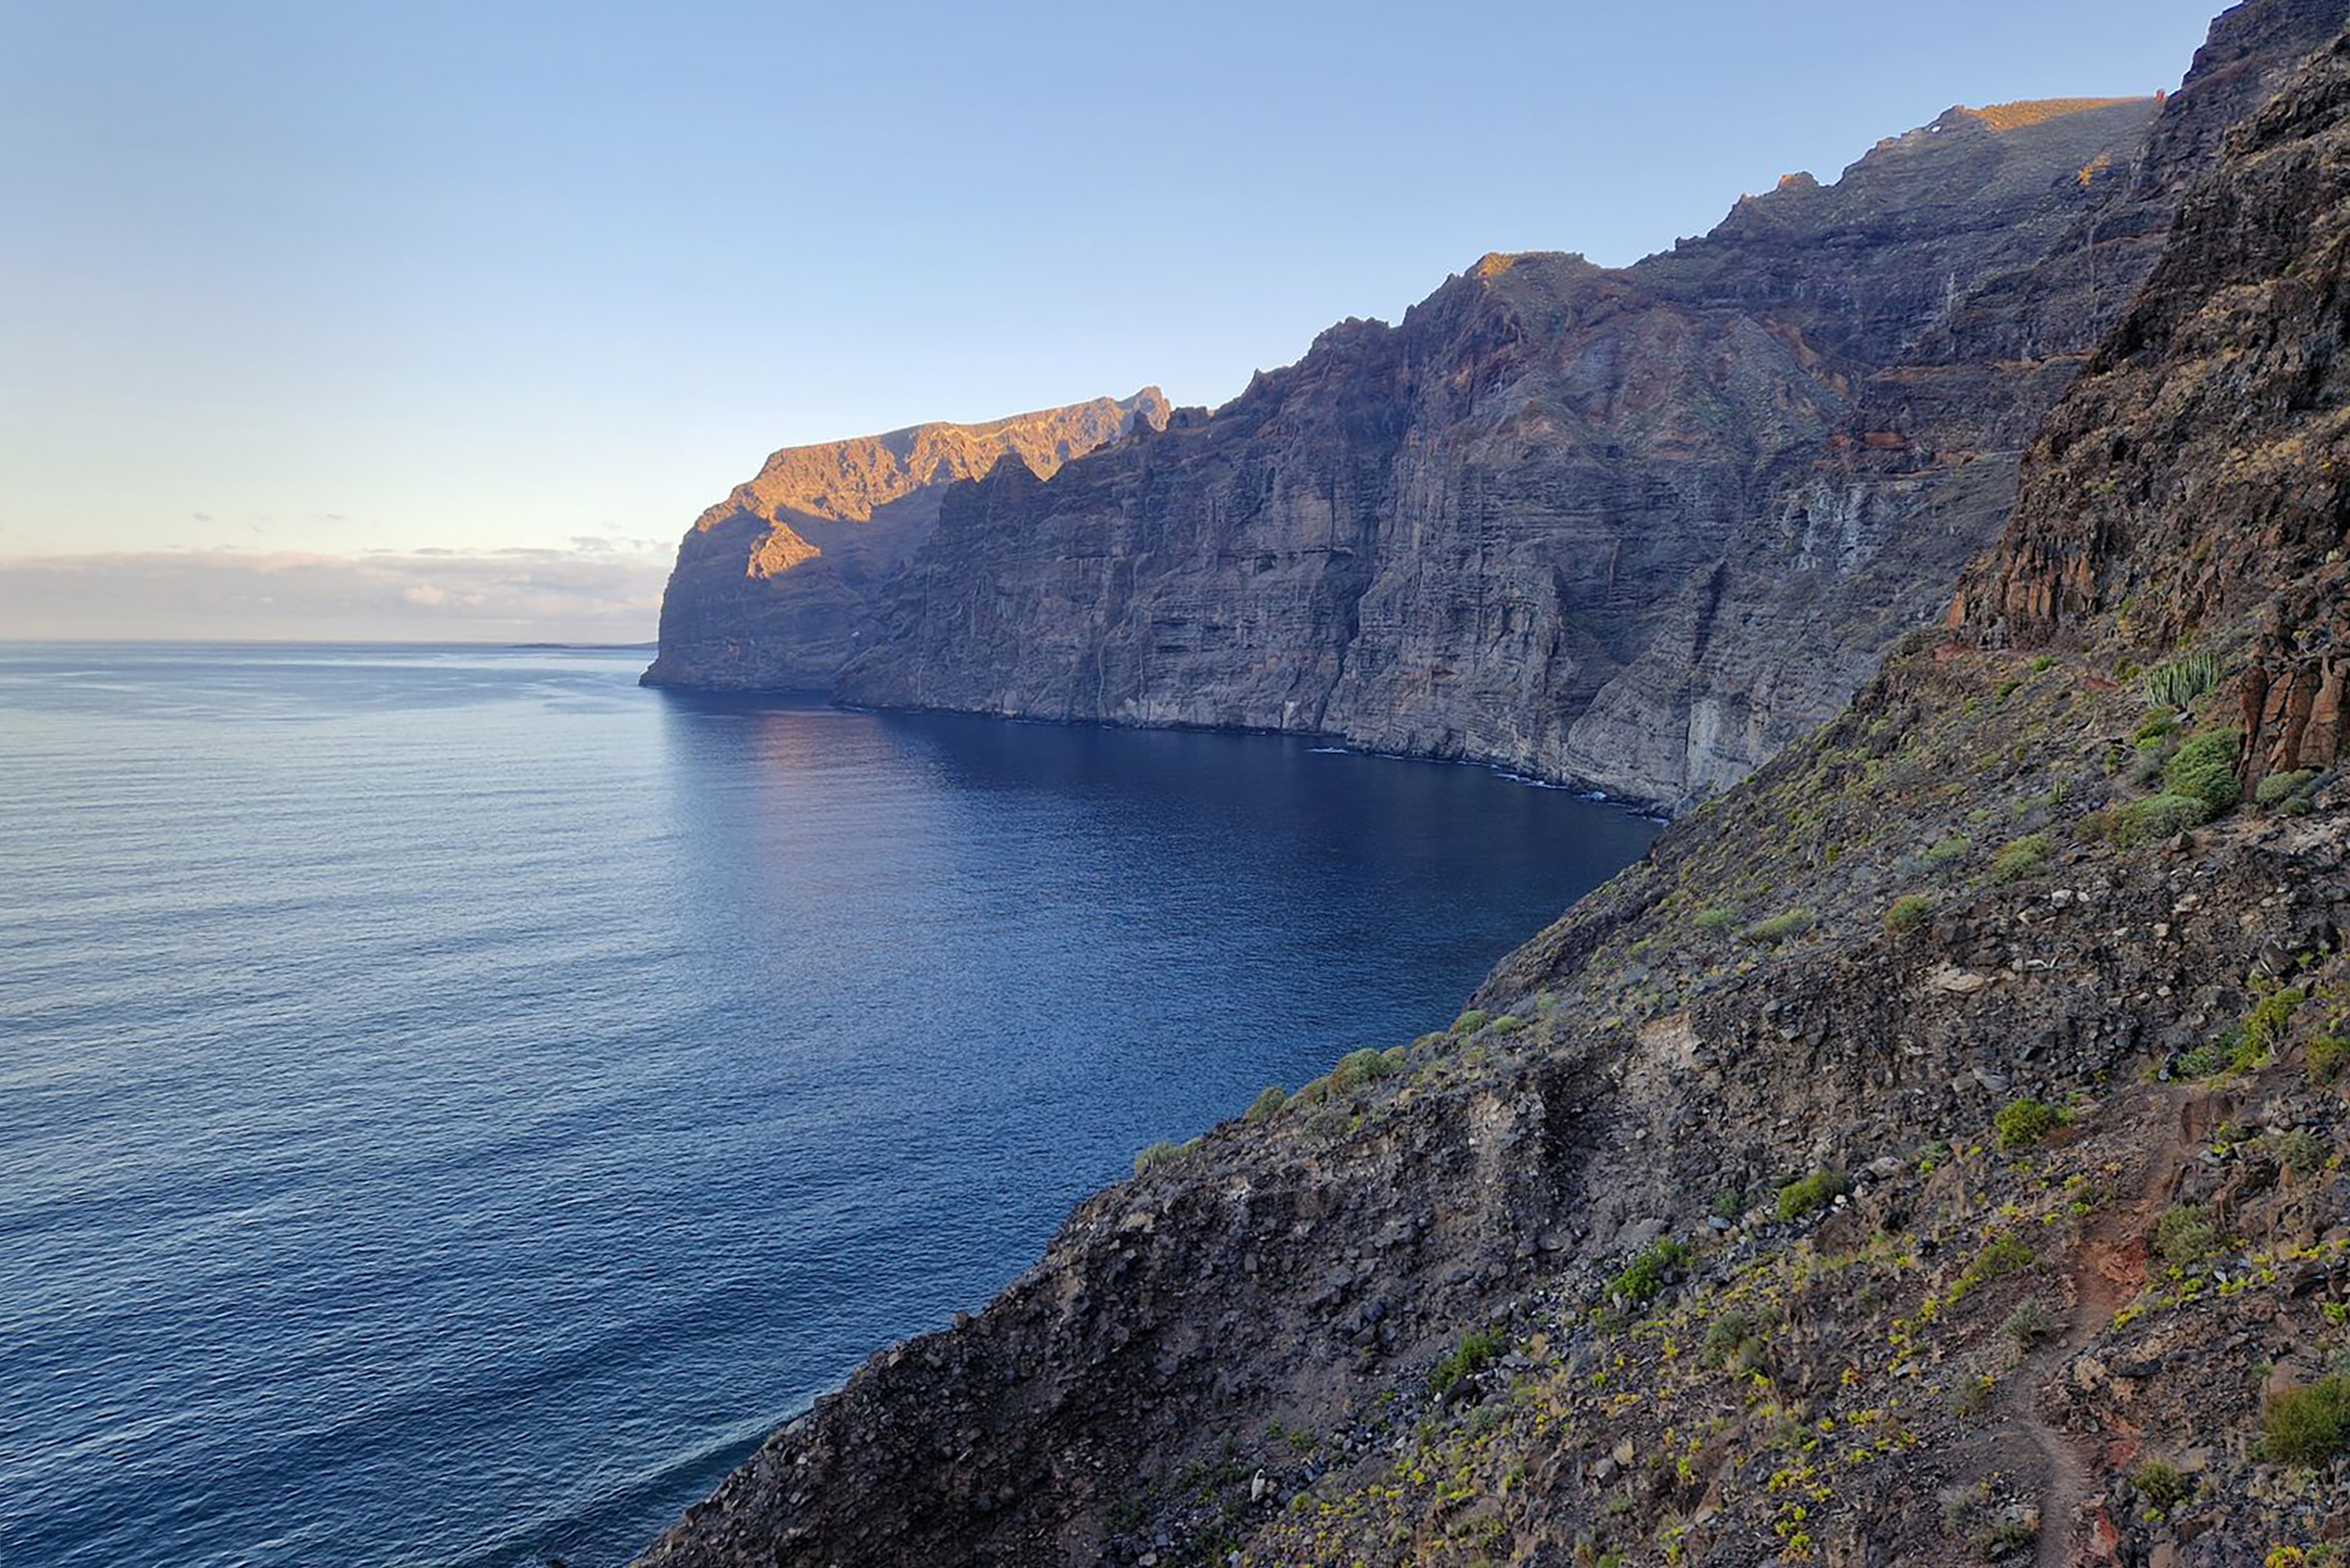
column 2103, row 1274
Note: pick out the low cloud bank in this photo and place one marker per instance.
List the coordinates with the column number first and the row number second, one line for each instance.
column 598, row 592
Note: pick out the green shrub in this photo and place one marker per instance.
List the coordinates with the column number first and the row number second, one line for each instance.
column 1478, row 1350
column 2020, row 858
column 2155, row 729
column 2329, row 1055
column 1269, row 1104
column 1470, row 1022
column 1726, row 1334
column 2204, row 767
column 1909, row 913
column 2006, row 1255
column 2185, row 1235
column 1509, row 1023
column 2278, row 787
column 2161, row 1484
column 2177, row 684
column 1817, row 1191
column 1156, row 1155
column 2026, row 1121
column 1715, row 921
column 2155, row 818
column 1777, row 929
column 1643, row 1280
column 1356, row 1068
column 2008, row 1538
column 2307, row 1425
column 2030, row 1325
column 2302, row 1151
column 1947, row 851
column 2266, row 1025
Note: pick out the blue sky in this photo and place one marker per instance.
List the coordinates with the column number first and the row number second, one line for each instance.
column 333, row 279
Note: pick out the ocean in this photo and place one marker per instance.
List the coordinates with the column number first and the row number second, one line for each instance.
column 454, row 1102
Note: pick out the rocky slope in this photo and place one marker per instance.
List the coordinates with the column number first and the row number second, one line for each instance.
column 774, row 586
column 1934, row 1153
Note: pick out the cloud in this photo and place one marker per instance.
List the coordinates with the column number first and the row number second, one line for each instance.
column 604, row 595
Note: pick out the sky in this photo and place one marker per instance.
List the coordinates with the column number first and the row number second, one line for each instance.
column 427, row 320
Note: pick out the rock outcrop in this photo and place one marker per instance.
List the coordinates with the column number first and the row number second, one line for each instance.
column 774, row 586
column 1909, row 1162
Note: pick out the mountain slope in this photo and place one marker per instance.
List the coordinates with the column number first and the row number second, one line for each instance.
column 773, row 586
column 1930, row 1154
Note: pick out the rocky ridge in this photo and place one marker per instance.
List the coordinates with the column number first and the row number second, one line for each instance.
column 1915, row 1160
column 774, row 586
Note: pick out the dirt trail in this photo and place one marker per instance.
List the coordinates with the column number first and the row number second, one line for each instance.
column 2103, row 1274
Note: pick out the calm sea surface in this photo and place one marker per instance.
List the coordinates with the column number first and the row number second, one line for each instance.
column 454, row 1102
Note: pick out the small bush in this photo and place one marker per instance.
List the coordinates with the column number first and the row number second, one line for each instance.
column 1470, row 1022
column 1908, row 913
column 1777, row 929
column 1643, row 1281
column 2155, row 729
column 1947, row 851
column 2302, row 1151
column 2161, row 1484
column 1357, row 1068
column 1509, row 1023
column 1715, row 921
column 2204, row 767
column 2008, row 1538
column 2007, row 1255
column 2278, row 787
column 1817, row 1191
column 2308, row 1425
column 1156, row 1155
column 2211, row 1059
column 1478, row 1350
column 2155, row 818
column 2328, row 1055
column 2020, row 858
column 2027, row 1121
column 2185, row 1235
column 1724, row 1335
column 1268, row 1105
column 2266, row 1025
column 2030, row 1325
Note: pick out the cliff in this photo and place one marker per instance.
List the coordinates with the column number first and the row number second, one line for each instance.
column 1934, row 1153
column 774, row 586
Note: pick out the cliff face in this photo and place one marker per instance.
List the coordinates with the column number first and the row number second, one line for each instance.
column 1638, row 529
column 774, row 586
column 2194, row 474
column 1913, row 1160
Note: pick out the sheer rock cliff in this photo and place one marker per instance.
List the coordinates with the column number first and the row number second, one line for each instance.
column 774, row 586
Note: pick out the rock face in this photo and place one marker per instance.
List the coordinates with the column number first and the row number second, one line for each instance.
column 1635, row 528
column 774, row 586
column 2069, row 1110
column 1638, row 529
column 2192, row 473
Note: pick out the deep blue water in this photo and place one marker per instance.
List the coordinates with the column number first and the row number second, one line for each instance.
column 454, row 1102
